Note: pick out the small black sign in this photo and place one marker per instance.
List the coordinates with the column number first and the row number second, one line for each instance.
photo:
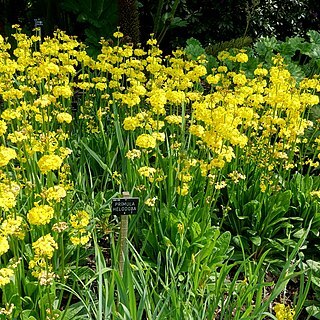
column 124, row 206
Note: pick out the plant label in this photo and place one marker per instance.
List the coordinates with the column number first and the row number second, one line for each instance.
column 124, row 206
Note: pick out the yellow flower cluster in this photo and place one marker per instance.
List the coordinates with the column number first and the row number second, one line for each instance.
column 8, row 193
column 238, row 112
column 166, row 107
column 13, row 226
column 43, row 250
column 44, row 247
column 146, row 141
column 36, row 92
column 40, row 215
column 4, row 245
column 6, row 275
column 133, row 154
column 283, row 312
column 147, row 172
column 48, row 163
column 64, row 117
column 6, row 154
column 54, row 194
column 79, row 234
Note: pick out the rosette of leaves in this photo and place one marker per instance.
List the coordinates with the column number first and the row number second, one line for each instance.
column 301, row 56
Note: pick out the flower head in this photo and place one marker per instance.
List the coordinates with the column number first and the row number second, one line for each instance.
column 146, row 141
column 49, row 162
column 40, row 215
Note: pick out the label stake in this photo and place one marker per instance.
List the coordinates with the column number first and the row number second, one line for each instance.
column 123, row 207
column 123, row 237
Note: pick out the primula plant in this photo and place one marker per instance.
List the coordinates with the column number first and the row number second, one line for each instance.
column 214, row 155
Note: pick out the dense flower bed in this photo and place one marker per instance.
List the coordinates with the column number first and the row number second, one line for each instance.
column 189, row 141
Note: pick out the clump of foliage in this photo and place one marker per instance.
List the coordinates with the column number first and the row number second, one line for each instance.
column 218, row 157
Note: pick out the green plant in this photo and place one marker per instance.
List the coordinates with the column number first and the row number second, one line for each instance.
column 97, row 18
column 301, row 55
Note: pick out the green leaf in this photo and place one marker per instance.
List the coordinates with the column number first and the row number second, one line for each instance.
column 167, row 242
column 314, row 36
column 178, row 22
column 252, row 210
column 25, row 315
column 241, row 241
column 315, row 280
column 223, row 243
column 299, row 233
column 96, row 157
column 313, row 311
column 256, row 240
column 288, row 242
column 195, row 231
column 278, row 204
column 30, row 287
column 75, row 312
column 296, row 71
column 315, row 52
column 265, row 45
column 314, row 266
column 276, row 244
column 194, row 48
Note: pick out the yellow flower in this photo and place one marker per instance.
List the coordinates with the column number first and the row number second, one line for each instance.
column 116, row 176
column 152, row 41
column 147, row 171
column 131, row 123
column 84, row 239
column 5, row 276
column 197, row 130
column 175, row 97
column 44, row 247
column 146, row 141
column 213, row 79
column 150, row 202
column 64, row 117
column 80, row 240
column 75, row 240
column 260, row 72
column 64, row 152
column 239, row 79
column 184, row 176
column 10, row 114
column 158, row 100
column 160, row 136
column 63, row 91
column 183, row 190
column 241, row 57
column 118, row 34
column 134, row 153
column 173, row 119
column 7, row 197
column 49, row 162
column 222, row 69
column 236, row 176
column 3, row 127
column 55, row 193
column 283, row 312
column 6, row 154
column 315, row 193
column 12, row 227
column 60, row 226
column 40, row 215
column 4, row 245
column 80, row 220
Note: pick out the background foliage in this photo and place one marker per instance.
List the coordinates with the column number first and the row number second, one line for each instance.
column 174, row 21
